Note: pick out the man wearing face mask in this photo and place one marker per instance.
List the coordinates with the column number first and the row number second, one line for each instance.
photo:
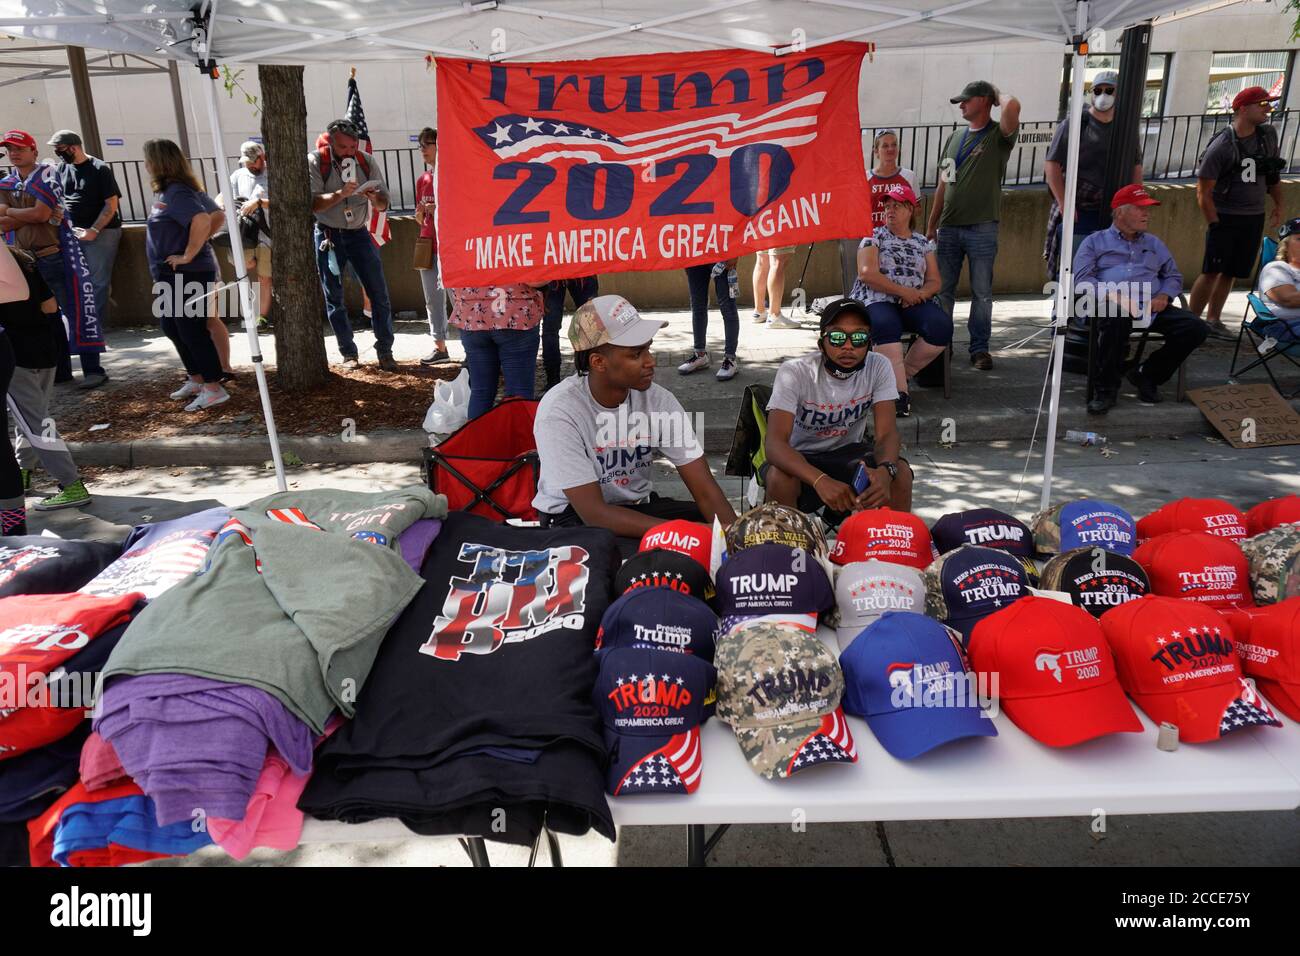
column 1095, row 129
column 91, row 195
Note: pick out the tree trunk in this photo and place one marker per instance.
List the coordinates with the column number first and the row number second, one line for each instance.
column 300, row 308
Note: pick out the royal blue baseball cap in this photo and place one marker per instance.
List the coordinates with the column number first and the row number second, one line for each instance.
column 652, row 703
column 967, row 585
column 1091, row 523
column 659, row 618
column 907, row 677
column 773, row 580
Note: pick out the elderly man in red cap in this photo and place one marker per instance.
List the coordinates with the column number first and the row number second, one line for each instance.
column 1240, row 167
column 1124, row 274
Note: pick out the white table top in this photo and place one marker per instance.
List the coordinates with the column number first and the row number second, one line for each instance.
column 1011, row 775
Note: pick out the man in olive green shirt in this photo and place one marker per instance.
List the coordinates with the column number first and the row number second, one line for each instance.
column 968, row 203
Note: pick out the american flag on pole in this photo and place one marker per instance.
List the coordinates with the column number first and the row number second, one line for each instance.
column 378, row 224
column 535, row 139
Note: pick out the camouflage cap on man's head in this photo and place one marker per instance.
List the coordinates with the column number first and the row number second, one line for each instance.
column 779, row 688
column 777, row 524
column 1274, row 559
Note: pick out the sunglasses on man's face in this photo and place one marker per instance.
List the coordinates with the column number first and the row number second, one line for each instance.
column 1103, row 89
column 859, row 339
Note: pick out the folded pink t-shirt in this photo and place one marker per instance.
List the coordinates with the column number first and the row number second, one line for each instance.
column 100, row 766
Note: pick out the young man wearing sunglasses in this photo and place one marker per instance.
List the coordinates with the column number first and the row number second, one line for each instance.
column 817, row 423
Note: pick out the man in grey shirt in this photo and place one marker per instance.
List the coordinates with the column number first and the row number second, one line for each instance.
column 1240, row 167
column 338, row 171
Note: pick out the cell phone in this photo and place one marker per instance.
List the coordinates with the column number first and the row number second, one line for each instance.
column 861, row 478
column 368, row 185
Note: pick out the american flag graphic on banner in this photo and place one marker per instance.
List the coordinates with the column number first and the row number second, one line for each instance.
column 534, row 139
column 378, row 224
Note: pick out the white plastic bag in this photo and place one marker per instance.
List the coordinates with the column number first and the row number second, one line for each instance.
column 450, row 407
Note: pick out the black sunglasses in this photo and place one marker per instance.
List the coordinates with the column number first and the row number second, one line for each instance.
column 858, row 339
column 1103, row 89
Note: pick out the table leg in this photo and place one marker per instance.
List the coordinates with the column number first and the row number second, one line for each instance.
column 476, row 850
column 695, row 844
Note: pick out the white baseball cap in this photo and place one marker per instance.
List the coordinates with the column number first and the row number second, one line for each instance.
column 864, row 590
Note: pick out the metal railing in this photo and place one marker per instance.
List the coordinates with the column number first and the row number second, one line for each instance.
column 1171, row 146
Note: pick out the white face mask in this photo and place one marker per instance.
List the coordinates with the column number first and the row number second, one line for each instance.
column 1103, row 101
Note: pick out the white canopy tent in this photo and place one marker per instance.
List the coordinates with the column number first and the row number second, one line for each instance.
column 213, row 32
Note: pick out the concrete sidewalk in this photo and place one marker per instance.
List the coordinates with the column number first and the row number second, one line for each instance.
column 985, row 406
column 1140, row 476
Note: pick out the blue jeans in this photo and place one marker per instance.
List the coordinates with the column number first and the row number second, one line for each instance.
column 697, row 279
column 889, row 320
column 355, row 246
column 580, row 290
column 979, row 245
column 54, row 273
column 510, row 352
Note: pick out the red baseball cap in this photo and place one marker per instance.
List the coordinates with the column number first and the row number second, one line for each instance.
column 900, row 192
column 1197, row 567
column 18, row 137
column 1267, row 515
column 691, row 538
column 1178, row 661
column 1132, row 195
column 1056, row 677
column 1211, row 515
column 886, row 535
column 1252, row 94
column 1269, row 648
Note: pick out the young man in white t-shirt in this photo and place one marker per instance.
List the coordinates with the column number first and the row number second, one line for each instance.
column 817, row 422
column 598, row 432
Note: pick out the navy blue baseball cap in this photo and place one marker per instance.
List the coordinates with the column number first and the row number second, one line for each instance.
column 986, row 527
column 661, row 568
column 907, row 677
column 965, row 586
column 659, row 618
column 651, row 703
column 773, row 579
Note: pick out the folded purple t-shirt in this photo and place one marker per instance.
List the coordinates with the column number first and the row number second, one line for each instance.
column 416, row 541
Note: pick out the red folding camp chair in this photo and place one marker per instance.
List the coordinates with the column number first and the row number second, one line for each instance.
column 489, row 465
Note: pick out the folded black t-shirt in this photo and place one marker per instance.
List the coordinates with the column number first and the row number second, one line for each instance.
column 39, row 564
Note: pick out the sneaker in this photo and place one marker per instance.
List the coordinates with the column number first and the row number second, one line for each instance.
column 1148, row 394
column 1220, row 331
column 263, row 324
column 73, row 496
column 781, row 322
column 188, row 390
column 207, row 398
column 727, row 370
column 903, row 405
column 27, row 481
column 982, row 361
column 436, row 357
column 1101, row 403
column 758, row 317
column 701, row 360
column 92, row 380
column 350, row 361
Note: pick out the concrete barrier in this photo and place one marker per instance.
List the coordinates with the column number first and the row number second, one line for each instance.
column 1019, row 269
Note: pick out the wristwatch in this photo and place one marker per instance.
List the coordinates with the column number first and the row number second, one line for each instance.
column 890, row 467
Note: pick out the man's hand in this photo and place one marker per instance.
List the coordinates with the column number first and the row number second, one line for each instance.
column 835, row 494
column 177, row 261
column 250, row 207
column 877, row 493
column 1159, row 303
column 1275, row 218
column 347, row 190
column 85, row 235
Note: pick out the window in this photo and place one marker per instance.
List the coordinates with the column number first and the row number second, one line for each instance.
column 1230, row 73
column 1153, row 98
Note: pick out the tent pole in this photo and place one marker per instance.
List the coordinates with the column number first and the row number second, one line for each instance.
column 1065, row 273
column 241, row 274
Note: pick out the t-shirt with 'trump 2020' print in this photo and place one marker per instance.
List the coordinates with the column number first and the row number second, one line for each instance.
column 830, row 412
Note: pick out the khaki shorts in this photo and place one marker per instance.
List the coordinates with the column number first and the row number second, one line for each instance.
column 260, row 261
column 778, row 251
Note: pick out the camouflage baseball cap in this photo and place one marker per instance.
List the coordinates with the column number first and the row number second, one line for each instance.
column 612, row 320
column 1274, row 560
column 778, row 524
column 779, row 689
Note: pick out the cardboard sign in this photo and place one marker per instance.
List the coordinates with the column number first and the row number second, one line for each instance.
column 1249, row 416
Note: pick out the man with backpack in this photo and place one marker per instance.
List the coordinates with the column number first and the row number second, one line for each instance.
column 345, row 185
column 1240, row 167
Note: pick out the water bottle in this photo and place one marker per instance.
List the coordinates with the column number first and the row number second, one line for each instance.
column 733, row 283
column 1086, row 439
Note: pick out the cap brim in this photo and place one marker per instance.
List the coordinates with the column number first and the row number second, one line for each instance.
column 1285, row 697
column 912, row 731
column 1145, row 202
column 674, row 763
column 785, row 749
column 960, row 99
column 1063, row 720
column 1201, row 714
column 638, row 333
column 844, row 636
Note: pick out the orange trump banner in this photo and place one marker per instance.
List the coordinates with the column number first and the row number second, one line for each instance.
column 637, row 163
